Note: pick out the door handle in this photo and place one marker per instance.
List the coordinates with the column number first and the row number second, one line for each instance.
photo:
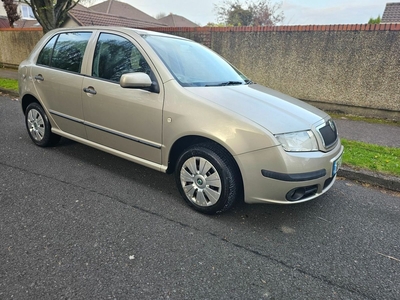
column 90, row 90
column 39, row 77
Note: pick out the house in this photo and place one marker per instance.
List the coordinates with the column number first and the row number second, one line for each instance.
column 27, row 19
column 122, row 9
column 107, row 13
column 116, row 14
column 391, row 13
column 91, row 18
column 4, row 22
column 173, row 20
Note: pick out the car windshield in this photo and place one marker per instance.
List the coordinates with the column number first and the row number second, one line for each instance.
column 193, row 64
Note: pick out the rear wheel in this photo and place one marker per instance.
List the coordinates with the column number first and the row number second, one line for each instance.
column 207, row 178
column 38, row 126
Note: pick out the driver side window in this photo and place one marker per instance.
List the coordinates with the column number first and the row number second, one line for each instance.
column 114, row 56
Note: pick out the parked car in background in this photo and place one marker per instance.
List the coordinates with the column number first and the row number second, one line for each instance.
column 173, row 105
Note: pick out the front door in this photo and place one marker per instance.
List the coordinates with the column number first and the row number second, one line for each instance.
column 124, row 119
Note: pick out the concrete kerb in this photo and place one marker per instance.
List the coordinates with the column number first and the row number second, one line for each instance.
column 9, row 92
column 360, row 175
column 377, row 179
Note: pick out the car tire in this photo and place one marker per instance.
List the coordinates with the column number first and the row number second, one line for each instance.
column 38, row 126
column 207, row 178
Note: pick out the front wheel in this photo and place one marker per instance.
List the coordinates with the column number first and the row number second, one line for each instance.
column 38, row 126
column 207, row 178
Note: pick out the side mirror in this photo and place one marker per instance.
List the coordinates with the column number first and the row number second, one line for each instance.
column 137, row 80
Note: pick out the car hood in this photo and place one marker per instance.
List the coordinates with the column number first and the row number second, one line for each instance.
column 276, row 112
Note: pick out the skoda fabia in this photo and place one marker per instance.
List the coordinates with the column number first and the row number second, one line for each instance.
column 173, row 105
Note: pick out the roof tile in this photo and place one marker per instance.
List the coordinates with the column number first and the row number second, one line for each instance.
column 91, row 18
column 177, row 21
column 391, row 13
column 122, row 9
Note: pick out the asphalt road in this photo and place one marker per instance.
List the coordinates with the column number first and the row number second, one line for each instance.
column 77, row 223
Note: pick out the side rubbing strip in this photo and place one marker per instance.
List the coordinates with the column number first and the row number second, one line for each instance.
column 120, row 134
column 125, row 136
column 58, row 114
column 294, row 177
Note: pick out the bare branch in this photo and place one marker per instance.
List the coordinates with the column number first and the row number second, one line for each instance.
column 51, row 14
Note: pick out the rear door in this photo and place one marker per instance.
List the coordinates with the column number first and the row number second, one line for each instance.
column 58, row 80
column 124, row 119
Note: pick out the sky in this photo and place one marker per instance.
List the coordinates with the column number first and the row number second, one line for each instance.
column 297, row 12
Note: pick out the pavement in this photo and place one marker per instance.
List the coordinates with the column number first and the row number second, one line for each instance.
column 8, row 73
column 379, row 134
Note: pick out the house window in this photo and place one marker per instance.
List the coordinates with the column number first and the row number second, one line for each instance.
column 26, row 12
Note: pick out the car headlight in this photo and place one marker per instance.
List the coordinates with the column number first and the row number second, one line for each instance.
column 300, row 141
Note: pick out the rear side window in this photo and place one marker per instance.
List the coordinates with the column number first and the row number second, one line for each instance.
column 114, row 56
column 65, row 51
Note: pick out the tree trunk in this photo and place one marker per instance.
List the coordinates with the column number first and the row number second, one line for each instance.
column 12, row 11
column 51, row 14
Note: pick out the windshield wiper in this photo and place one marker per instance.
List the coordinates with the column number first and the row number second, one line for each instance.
column 226, row 83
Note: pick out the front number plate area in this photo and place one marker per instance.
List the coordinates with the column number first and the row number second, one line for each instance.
column 336, row 165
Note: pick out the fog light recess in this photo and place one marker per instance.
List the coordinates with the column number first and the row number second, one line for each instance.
column 300, row 193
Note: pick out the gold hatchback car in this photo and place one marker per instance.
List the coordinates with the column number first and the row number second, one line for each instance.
column 173, row 105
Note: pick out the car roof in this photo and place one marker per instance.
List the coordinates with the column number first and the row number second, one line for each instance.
column 126, row 30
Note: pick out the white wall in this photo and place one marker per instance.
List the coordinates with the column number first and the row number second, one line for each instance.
column 2, row 10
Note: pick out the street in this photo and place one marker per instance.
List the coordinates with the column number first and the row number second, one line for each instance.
column 77, row 223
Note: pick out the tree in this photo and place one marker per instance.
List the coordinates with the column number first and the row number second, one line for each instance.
column 12, row 11
column 161, row 15
column 264, row 13
column 211, row 24
column 252, row 13
column 51, row 14
column 375, row 21
column 238, row 16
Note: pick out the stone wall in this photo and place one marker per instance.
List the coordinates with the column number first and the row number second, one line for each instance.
column 349, row 68
column 16, row 44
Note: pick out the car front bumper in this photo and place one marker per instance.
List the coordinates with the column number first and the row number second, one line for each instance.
column 275, row 176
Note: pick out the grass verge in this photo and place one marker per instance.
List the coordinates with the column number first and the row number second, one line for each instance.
column 372, row 157
column 9, row 84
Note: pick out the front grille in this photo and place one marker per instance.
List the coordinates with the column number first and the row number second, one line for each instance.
column 328, row 133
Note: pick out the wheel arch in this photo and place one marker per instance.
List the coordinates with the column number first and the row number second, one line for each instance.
column 28, row 99
column 184, row 142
